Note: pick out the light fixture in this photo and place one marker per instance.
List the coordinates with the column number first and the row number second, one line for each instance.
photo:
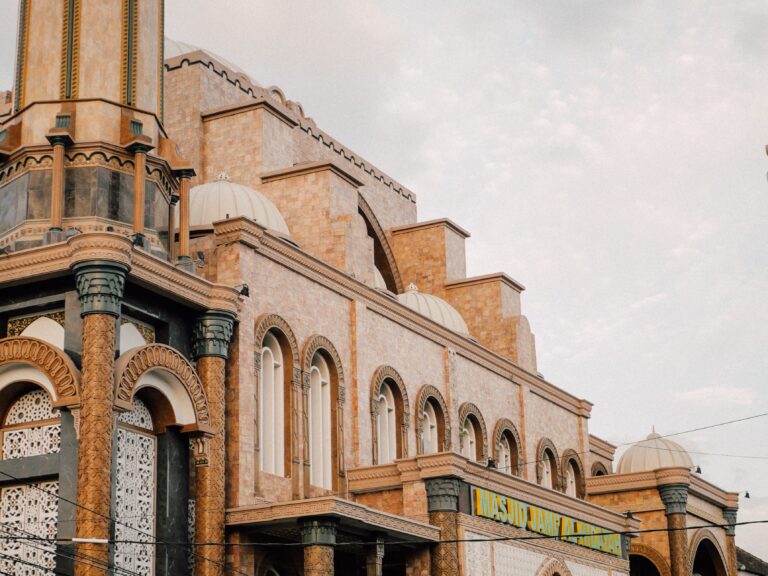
column 244, row 290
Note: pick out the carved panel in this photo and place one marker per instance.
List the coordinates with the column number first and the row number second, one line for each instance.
column 23, row 441
column 30, row 510
column 513, row 561
column 17, row 325
column 478, row 555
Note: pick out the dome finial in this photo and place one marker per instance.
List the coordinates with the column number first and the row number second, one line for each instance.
column 223, row 177
column 412, row 288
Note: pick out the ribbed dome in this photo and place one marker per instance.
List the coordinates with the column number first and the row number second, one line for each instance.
column 653, row 453
column 434, row 308
column 223, row 199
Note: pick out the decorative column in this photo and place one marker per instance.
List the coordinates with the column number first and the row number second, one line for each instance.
column 59, row 137
column 730, row 541
column 212, row 334
column 172, row 250
column 374, row 558
column 100, row 289
column 675, row 498
column 139, row 190
column 443, row 507
column 319, row 537
column 184, row 261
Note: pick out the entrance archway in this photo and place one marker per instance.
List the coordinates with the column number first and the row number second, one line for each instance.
column 708, row 561
column 642, row 566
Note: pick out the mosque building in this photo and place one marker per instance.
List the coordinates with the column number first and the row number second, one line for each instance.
column 229, row 346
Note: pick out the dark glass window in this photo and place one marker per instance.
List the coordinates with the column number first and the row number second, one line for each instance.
column 13, row 203
column 39, row 195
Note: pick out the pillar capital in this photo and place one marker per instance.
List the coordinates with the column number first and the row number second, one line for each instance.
column 100, row 286
column 212, row 333
column 319, row 531
column 730, row 515
column 675, row 498
column 443, row 494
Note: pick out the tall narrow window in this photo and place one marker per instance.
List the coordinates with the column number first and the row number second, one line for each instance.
column 135, row 488
column 387, row 425
column 548, row 473
column 320, row 437
column 468, row 435
column 570, row 480
column 505, row 456
column 430, row 431
column 272, row 407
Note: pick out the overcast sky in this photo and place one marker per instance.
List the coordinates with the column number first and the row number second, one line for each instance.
column 608, row 155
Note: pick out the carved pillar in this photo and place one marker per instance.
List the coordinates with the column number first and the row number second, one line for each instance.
column 57, row 182
column 184, row 185
column 139, row 190
column 443, row 506
column 730, row 541
column 172, row 247
column 675, row 498
column 212, row 334
column 319, row 537
column 100, row 289
column 374, row 558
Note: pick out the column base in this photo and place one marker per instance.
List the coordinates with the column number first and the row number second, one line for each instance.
column 185, row 263
column 54, row 236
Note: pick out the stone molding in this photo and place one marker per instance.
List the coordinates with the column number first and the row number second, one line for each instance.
column 652, row 555
column 467, row 409
column 695, row 541
column 335, row 507
column 553, row 567
column 367, row 479
column 321, row 343
column 675, row 497
column 268, row 322
column 601, row 447
column 547, row 444
column 426, row 393
column 58, row 259
column 319, row 531
column 135, row 363
column 212, row 334
column 54, row 363
column 381, row 375
column 100, row 286
column 570, row 455
column 443, row 494
column 505, row 425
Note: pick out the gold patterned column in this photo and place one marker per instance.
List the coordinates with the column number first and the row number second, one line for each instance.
column 100, row 288
column 675, row 498
column 319, row 537
column 139, row 189
column 443, row 506
column 183, row 259
column 212, row 334
column 730, row 541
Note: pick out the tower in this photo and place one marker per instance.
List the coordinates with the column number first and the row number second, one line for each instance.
column 85, row 148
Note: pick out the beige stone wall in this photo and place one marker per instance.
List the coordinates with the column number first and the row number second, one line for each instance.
column 547, row 420
column 44, row 56
column 233, row 144
column 421, row 258
column 101, row 50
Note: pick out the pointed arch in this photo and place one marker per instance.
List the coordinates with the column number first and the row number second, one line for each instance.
column 402, row 409
column 652, row 555
column 166, row 369
column 553, row 567
column 505, row 428
column 429, row 393
column 470, row 410
column 55, row 370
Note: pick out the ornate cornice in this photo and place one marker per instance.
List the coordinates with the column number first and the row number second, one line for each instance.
column 130, row 368
column 100, row 285
column 54, row 363
column 212, row 334
column 335, row 507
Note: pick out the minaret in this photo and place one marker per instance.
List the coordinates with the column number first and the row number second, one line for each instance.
column 85, row 145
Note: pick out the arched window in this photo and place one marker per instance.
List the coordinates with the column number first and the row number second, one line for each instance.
column 320, row 423
column 507, row 447
column 386, row 424
column 570, row 480
column 31, row 427
column 469, row 439
column 272, row 407
column 430, row 428
column 547, row 465
column 548, row 477
column 135, row 488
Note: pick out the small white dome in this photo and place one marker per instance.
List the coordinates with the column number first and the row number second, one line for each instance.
column 223, row 199
column 434, row 308
column 653, row 453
